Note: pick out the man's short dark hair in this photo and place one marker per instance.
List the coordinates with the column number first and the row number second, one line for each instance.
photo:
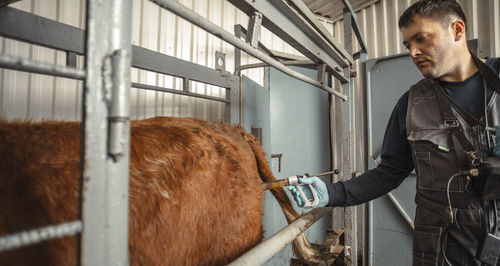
column 437, row 10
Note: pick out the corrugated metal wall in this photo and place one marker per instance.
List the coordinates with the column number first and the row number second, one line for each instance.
column 36, row 97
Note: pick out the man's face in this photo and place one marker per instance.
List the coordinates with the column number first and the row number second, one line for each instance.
column 430, row 46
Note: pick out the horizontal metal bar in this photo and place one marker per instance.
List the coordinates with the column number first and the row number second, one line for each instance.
column 27, row 27
column 238, row 70
column 355, row 27
column 179, row 92
column 24, row 26
column 153, row 61
column 270, row 247
column 401, row 210
column 22, row 64
column 283, row 21
column 205, row 24
column 38, row 235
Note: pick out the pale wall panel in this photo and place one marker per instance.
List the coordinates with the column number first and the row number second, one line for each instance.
column 37, row 97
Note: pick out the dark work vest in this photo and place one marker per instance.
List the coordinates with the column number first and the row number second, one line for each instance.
column 435, row 162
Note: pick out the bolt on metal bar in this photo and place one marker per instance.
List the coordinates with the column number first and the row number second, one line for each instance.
column 179, row 92
column 27, row 65
column 205, row 24
column 270, row 247
column 38, row 235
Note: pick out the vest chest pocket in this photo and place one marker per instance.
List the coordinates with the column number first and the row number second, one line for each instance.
column 435, row 164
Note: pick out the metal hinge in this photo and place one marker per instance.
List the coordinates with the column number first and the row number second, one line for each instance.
column 116, row 90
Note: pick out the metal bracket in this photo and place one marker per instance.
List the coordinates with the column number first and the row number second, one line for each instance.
column 257, row 133
column 70, row 59
column 321, row 72
column 254, row 29
column 220, row 61
column 279, row 156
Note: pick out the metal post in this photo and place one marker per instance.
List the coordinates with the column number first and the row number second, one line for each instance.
column 349, row 237
column 106, row 133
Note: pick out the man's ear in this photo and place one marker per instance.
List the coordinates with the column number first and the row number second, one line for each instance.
column 458, row 28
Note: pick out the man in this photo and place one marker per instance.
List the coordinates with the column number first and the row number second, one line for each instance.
column 421, row 135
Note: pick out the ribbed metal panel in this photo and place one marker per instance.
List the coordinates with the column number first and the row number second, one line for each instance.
column 31, row 96
column 37, row 97
column 379, row 25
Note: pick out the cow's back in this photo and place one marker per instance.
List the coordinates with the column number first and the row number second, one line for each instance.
column 195, row 195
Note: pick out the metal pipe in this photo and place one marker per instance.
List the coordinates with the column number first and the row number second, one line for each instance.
column 38, row 235
column 355, row 26
column 401, row 210
column 205, row 24
column 270, row 247
column 191, row 94
column 311, row 18
column 27, row 65
column 237, row 70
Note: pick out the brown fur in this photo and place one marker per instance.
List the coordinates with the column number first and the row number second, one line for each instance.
column 195, row 195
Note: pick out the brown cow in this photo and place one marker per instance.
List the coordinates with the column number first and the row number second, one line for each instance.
column 195, row 195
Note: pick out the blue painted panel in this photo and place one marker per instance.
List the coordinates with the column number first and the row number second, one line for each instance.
column 299, row 131
column 388, row 79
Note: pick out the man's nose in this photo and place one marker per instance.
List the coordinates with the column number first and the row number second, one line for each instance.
column 414, row 51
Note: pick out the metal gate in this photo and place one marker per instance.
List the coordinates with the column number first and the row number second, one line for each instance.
column 390, row 235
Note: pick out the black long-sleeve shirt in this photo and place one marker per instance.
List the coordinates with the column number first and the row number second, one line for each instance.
column 396, row 157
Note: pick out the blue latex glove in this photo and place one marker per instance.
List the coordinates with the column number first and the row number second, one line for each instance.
column 496, row 150
column 317, row 184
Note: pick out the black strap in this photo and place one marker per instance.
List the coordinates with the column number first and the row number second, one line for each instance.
column 491, row 78
column 462, row 145
column 466, row 153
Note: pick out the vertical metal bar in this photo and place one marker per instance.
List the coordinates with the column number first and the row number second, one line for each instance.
column 368, row 255
column 106, row 133
column 350, row 249
column 253, row 34
column 71, row 59
column 366, row 142
column 233, row 109
column 494, row 12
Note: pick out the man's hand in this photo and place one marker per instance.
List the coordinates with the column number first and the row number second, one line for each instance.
column 317, row 184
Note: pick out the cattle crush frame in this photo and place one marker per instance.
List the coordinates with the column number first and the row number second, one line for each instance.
column 109, row 56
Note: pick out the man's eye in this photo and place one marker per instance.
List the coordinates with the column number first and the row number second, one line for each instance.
column 421, row 39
